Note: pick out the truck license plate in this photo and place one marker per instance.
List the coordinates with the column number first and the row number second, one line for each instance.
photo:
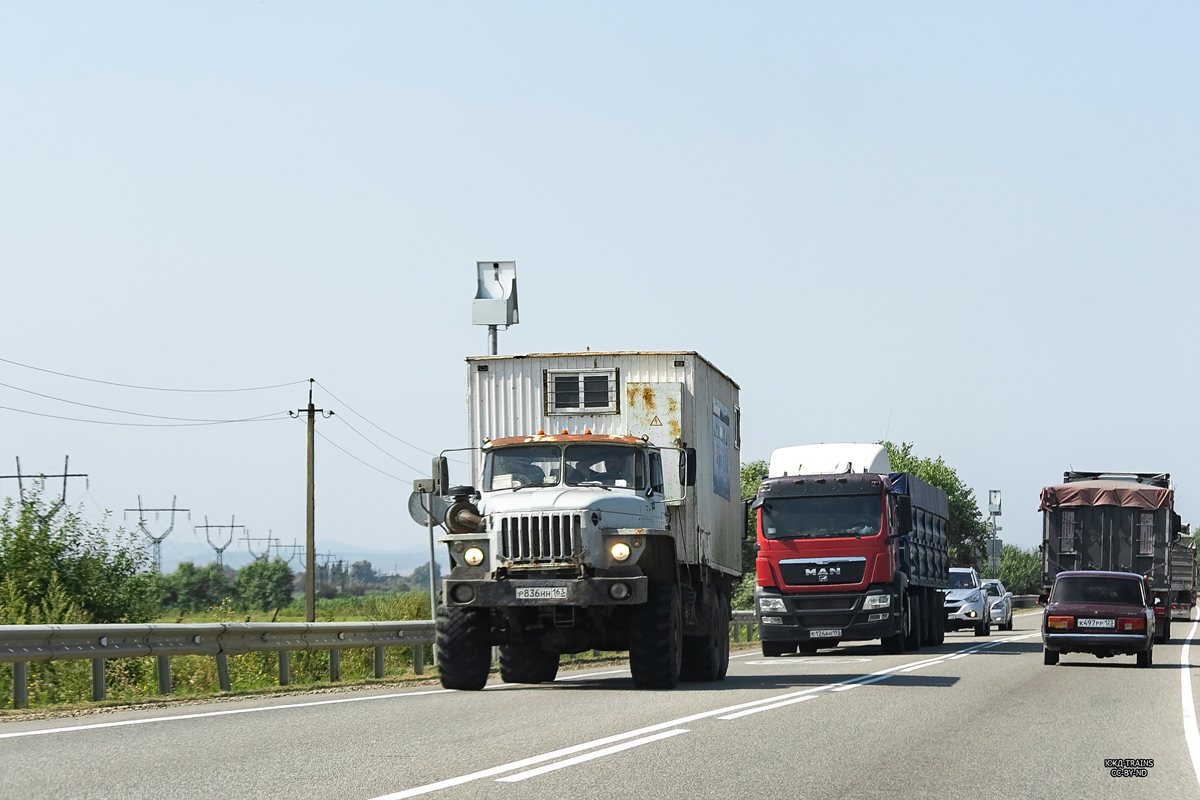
column 541, row 593
column 825, row 633
column 1095, row 623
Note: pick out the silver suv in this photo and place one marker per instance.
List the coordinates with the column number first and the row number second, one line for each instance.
column 966, row 605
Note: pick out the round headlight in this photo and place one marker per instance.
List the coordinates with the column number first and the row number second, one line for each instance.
column 620, row 551
column 473, row 556
column 462, row 593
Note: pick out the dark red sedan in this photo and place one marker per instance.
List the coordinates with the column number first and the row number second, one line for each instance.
column 1102, row 613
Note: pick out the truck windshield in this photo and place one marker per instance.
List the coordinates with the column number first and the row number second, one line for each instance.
column 514, row 467
column 816, row 517
column 1116, row 591
column 613, row 466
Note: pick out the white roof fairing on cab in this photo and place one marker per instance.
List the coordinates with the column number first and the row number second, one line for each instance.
column 829, row 459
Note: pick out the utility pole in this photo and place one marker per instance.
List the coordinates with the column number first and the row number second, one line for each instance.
column 44, row 518
column 310, row 588
column 221, row 549
column 157, row 540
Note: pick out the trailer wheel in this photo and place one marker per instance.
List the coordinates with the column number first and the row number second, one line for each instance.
column 527, row 663
column 463, row 655
column 656, row 638
column 703, row 656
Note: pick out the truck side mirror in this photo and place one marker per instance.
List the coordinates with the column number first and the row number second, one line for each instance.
column 747, row 531
column 687, row 466
column 904, row 510
column 441, row 476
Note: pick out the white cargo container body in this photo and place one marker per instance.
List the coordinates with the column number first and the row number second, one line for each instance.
column 675, row 399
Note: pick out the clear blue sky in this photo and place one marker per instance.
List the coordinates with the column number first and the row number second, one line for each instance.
column 969, row 226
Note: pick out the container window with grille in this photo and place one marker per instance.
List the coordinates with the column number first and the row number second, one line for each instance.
column 582, row 391
column 1146, row 533
column 532, row 538
column 1066, row 542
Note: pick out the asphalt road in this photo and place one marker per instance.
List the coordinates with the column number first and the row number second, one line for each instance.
column 976, row 717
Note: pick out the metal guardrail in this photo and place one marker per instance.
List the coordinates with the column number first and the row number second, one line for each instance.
column 20, row 644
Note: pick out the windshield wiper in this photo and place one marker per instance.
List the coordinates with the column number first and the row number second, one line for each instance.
column 533, row 485
column 594, row 483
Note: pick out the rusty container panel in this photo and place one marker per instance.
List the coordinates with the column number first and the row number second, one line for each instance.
column 511, row 396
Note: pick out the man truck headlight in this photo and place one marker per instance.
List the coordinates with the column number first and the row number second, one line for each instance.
column 620, row 551
column 473, row 556
column 877, row 601
column 771, row 604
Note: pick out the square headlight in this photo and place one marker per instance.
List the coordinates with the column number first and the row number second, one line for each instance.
column 771, row 604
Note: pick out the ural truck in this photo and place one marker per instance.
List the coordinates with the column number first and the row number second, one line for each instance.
column 848, row 550
column 1117, row 522
column 603, row 513
column 1183, row 577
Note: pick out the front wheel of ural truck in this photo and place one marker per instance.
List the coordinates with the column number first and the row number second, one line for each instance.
column 656, row 638
column 463, row 655
column 527, row 663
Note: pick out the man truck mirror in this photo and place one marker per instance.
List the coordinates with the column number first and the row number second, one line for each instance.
column 441, row 476
column 687, row 466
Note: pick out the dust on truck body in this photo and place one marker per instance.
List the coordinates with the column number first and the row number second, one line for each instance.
column 1183, row 577
column 604, row 513
column 1115, row 521
column 848, row 550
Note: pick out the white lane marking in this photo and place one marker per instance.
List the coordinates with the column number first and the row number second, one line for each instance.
column 748, row 711
column 608, row 751
column 566, row 751
column 227, row 712
column 1190, row 732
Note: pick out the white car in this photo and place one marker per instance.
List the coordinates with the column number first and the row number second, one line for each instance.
column 965, row 604
column 1000, row 604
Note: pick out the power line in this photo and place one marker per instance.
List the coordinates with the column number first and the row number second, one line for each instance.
column 263, row 418
column 377, row 447
column 148, row 388
column 106, row 408
column 359, row 460
column 373, row 425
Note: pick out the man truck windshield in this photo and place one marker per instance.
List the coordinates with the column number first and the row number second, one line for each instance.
column 818, row 517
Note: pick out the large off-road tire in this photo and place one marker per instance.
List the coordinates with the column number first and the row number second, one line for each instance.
column 527, row 663
column 463, row 655
column 656, row 638
column 706, row 657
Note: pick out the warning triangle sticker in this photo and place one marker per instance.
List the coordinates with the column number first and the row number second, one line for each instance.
column 656, row 422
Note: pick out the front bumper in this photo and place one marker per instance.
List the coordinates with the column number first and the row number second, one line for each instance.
column 1125, row 643
column 502, row 593
column 805, row 613
column 960, row 617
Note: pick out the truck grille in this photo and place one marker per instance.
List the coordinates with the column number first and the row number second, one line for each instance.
column 540, row 537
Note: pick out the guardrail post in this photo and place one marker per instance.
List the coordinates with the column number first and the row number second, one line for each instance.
column 285, row 668
column 335, row 665
column 164, row 674
column 20, row 680
column 378, row 662
column 98, row 688
column 418, row 659
column 736, row 633
column 223, row 672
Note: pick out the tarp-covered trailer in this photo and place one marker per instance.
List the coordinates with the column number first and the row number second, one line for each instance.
column 1118, row 521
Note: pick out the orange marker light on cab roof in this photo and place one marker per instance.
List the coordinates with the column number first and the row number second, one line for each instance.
column 587, row 433
column 541, row 433
column 564, row 433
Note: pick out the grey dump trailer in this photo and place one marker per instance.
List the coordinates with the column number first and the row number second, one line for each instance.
column 1117, row 521
column 1183, row 577
column 602, row 512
